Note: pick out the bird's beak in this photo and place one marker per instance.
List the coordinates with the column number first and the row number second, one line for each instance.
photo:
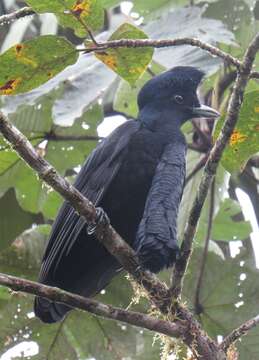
column 205, row 111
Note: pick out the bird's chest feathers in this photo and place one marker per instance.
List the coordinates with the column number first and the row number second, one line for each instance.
column 138, row 168
column 142, row 158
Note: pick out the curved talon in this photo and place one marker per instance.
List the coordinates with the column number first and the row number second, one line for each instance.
column 101, row 218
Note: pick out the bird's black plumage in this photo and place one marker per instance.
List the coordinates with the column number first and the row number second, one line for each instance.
column 137, row 176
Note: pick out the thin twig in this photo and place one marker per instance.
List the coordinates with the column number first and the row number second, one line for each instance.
column 198, row 308
column 212, row 163
column 254, row 75
column 85, row 26
column 54, row 137
column 55, row 339
column 196, row 147
column 206, row 139
column 134, row 43
column 110, row 346
column 239, row 332
column 92, row 306
column 150, row 72
column 104, row 231
column 197, row 168
column 157, row 291
column 25, row 11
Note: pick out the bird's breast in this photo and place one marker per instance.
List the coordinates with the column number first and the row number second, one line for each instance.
column 125, row 199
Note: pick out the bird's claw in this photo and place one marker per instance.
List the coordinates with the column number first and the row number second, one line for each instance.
column 101, row 218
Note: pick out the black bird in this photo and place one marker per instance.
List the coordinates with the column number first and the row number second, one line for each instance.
column 137, row 176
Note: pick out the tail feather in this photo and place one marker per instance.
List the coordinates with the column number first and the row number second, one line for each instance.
column 48, row 311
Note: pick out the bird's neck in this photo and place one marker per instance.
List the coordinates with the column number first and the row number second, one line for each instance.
column 162, row 120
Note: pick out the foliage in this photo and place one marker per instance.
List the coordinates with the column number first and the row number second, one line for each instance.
column 244, row 140
column 69, row 96
column 130, row 64
column 78, row 15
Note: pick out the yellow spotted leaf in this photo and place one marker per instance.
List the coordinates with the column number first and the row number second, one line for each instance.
column 129, row 63
column 244, row 141
column 79, row 15
column 26, row 66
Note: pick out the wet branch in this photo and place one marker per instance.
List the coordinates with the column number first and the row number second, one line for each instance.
column 157, row 292
column 104, row 231
column 184, row 325
column 93, row 306
column 196, row 168
column 239, row 332
column 197, row 304
column 140, row 43
column 213, row 162
column 25, row 11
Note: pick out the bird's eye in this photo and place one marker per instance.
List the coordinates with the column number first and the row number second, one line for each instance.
column 178, row 99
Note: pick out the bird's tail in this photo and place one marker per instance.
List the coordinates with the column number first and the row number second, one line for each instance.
column 48, row 311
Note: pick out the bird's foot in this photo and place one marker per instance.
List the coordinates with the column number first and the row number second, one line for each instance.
column 101, row 218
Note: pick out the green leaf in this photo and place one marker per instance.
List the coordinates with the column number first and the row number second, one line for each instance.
column 147, row 7
column 13, row 220
column 129, row 63
column 105, row 339
column 187, row 22
column 237, row 15
column 66, row 154
column 31, row 243
column 245, row 138
column 109, row 3
column 126, row 96
column 70, row 153
column 226, row 226
column 26, row 66
column 68, row 94
column 78, row 15
column 228, row 297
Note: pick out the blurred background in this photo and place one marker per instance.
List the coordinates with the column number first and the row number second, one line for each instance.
column 67, row 116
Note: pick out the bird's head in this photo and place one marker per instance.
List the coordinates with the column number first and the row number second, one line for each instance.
column 175, row 92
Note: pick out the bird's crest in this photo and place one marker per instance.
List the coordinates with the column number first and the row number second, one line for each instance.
column 183, row 78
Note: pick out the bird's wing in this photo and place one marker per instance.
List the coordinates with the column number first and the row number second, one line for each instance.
column 156, row 240
column 92, row 181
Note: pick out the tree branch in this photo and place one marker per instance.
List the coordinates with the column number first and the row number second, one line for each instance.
column 93, row 306
column 134, row 43
column 25, row 11
column 198, row 307
column 158, row 293
column 104, row 232
column 196, row 168
column 203, row 347
column 239, row 332
column 56, row 137
column 212, row 163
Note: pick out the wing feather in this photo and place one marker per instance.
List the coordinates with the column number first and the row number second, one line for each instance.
column 93, row 181
column 156, row 240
